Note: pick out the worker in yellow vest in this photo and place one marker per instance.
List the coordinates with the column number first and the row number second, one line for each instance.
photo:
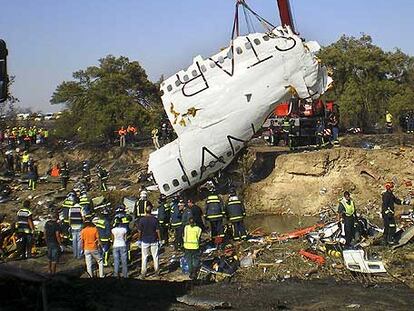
column 192, row 234
column 347, row 212
column 388, row 120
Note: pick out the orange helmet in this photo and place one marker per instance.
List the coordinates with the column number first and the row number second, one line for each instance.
column 389, row 185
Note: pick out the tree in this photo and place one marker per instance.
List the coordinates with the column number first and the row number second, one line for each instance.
column 102, row 98
column 367, row 80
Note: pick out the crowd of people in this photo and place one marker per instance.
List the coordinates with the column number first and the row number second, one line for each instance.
column 98, row 232
column 26, row 136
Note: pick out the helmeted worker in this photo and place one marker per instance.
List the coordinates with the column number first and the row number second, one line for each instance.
column 103, row 176
column 25, row 161
column 25, row 229
column 164, row 214
column 85, row 203
column 86, row 172
column 286, row 126
column 104, row 229
column 64, row 175
column 235, row 213
column 76, row 225
column 347, row 212
column 69, row 202
column 215, row 214
column 176, row 222
column 141, row 206
column 192, row 234
column 388, row 121
column 387, row 211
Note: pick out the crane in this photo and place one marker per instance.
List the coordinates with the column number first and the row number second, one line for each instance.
column 285, row 13
column 4, row 81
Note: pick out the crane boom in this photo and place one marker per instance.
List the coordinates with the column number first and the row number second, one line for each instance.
column 286, row 14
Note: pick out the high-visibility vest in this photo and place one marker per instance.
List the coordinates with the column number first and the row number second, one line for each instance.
column 349, row 207
column 121, row 132
column 104, row 229
column 214, row 207
column 191, row 237
column 67, row 204
column 388, row 118
column 22, row 224
column 25, row 158
column 141, row 207
column 84, row 201
column 55, row 171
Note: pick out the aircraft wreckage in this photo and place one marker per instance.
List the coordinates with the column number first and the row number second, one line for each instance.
column 218, row 103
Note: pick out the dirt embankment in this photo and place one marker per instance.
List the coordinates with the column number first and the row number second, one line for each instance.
column 305, row 183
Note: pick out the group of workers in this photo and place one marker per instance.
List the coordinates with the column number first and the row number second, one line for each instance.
column 326, row 131
column 17, row 162
column 127, row 135
column 93, row 230
column 348, row 214
column 163, row 134
column 21, row 135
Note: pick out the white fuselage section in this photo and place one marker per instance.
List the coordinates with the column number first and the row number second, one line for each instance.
column 217, row 104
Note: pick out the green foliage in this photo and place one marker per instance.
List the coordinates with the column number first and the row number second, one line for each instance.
column 105, row 97
column 368, row 81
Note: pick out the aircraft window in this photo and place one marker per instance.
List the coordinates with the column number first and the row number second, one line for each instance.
column 229, row 153
column 177, row 83
column 162, row 92
column 194, row 173
column 166, row 187
column 212, row 64
column 175, row 183
column 239, row 50
column 248, row 45
column 194, row 73
column 266, row 38
column 186, row 78
column 169, row 88
column 229, row 54
column 256, row 41
column 184, row 178
column 221, row 59
column 203, row 68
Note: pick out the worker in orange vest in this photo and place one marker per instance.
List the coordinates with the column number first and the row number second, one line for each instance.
column 131, row 130
column 122, row 133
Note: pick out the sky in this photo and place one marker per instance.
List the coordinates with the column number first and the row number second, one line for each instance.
column 49, row 39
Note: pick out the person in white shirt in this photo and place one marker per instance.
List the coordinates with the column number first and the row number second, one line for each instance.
column 119, row 249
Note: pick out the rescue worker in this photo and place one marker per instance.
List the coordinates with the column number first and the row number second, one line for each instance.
column 192, row 234
column 25, row 161
column 32, row 176
column 76, row 225
column 235, row 213
column 187, row 213
column 154, row 136
column 103, row 176
column 85, row 203
column 215, row 214
column 86, row 172
column 388, row 121
column 122, row 133
column 64, row 175
column 164, row 214
column 286, row 130
column 69, row 202
column 347, row 212
column 176, row 222
column 25, row 229
column 388, row 213
column 141, row 206
column 104, row 229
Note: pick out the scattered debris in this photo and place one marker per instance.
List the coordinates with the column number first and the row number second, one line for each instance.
column 203, row 303
column 355, row 261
